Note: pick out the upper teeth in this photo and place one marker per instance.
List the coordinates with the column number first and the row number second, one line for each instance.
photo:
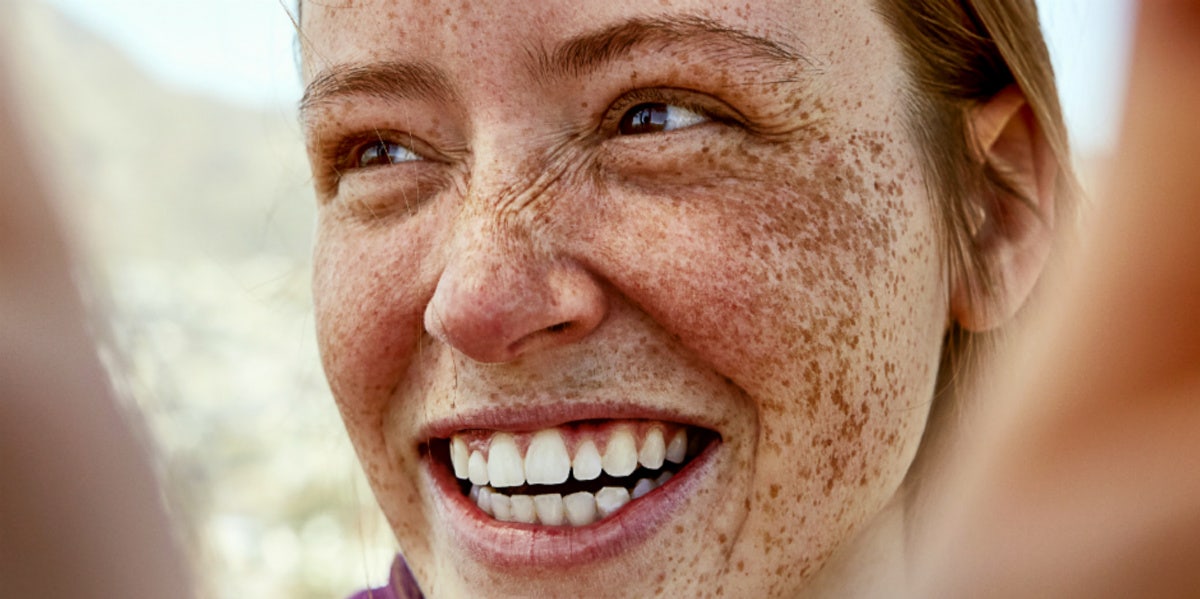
column 504, row 466
column 620, row 457
column 546, row 461
column 586, row 465
column 498, row 462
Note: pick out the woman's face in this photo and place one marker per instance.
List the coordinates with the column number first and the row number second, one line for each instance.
column 567, row 247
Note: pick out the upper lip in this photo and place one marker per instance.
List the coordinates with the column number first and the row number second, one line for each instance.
column 541, row 415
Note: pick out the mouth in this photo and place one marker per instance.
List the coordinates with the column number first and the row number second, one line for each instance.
column 568, row 493
column 573, row 475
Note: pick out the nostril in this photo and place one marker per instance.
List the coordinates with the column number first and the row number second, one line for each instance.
column 558, row 328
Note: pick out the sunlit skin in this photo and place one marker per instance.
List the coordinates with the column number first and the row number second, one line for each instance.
column 759, row 260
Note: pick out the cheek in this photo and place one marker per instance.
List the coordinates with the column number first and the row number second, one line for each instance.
column 369, row 295
column 781, row 261
column 815, row 287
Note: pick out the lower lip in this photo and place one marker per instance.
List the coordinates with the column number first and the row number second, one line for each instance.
column 511, row 545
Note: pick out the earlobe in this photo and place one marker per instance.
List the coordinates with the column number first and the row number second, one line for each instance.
column 1014, row 239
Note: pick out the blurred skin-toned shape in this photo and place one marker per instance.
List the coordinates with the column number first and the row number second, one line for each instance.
column 80, row 511
column 1085, row 481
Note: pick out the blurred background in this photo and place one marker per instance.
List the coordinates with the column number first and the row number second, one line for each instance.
column 167, row 130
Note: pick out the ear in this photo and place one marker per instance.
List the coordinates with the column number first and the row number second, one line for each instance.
column 1017, row 233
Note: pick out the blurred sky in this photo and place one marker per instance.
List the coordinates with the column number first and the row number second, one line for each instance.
column 242, row 50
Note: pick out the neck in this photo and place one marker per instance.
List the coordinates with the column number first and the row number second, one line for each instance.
column 873, row 562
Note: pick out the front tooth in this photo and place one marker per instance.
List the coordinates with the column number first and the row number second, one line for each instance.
column 485, row 500
column 546, row 461
column 620, row 455
column 550, row 509
column 587, row 461
column 677, row 448
column 477, row 468
column 642, row 487
column 611, row 499
column 580, row 508
column 522, row 509
column 502, row 507
column 653, row 450
column 504, row 467
column 459, row 456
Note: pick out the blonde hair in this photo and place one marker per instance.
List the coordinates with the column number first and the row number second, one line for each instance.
column 959, row 54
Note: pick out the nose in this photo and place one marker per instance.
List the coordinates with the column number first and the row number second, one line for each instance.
column 499, row 297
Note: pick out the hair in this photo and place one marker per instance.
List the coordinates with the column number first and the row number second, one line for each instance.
column 959, row 54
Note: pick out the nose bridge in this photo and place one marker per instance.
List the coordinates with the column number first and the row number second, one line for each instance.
column 507, row 287
column 499, row 216
column 492, row 247
column 513, row 174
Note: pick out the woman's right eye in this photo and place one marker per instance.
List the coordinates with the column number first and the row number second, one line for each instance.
column 382, row 153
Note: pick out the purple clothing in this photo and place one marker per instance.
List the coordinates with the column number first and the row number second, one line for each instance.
column 401, row 585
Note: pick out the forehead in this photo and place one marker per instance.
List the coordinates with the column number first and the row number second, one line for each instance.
column 495, row 34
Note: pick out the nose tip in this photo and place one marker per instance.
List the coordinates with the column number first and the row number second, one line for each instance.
column 498, row 312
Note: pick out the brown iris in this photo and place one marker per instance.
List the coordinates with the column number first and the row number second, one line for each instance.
column 644, row 118
column 381, row 153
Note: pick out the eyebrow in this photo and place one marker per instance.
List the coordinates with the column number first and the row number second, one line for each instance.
column 577, row 57
column 386, row 80
column 589, row 52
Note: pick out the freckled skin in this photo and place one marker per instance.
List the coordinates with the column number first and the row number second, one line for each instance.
column 782, row 280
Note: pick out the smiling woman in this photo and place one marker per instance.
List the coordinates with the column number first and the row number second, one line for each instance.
column 665, row 295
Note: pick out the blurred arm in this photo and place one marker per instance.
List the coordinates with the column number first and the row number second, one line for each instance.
column 80, row 511
column 1088, row 483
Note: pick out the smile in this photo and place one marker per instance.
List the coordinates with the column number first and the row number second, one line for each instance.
column 571, row 475
column 578, row 491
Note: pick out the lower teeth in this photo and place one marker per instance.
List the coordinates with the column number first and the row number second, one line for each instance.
column 554, row 509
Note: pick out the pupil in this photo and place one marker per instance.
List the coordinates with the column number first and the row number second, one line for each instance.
column 376, row 154
column 644, row 118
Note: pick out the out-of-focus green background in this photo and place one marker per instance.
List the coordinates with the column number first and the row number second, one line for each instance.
column 168, row 132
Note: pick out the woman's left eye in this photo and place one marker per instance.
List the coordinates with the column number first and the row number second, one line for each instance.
column 657, row 117
column 383, row 153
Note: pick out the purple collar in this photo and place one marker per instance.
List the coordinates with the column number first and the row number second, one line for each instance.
column 401, row 585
